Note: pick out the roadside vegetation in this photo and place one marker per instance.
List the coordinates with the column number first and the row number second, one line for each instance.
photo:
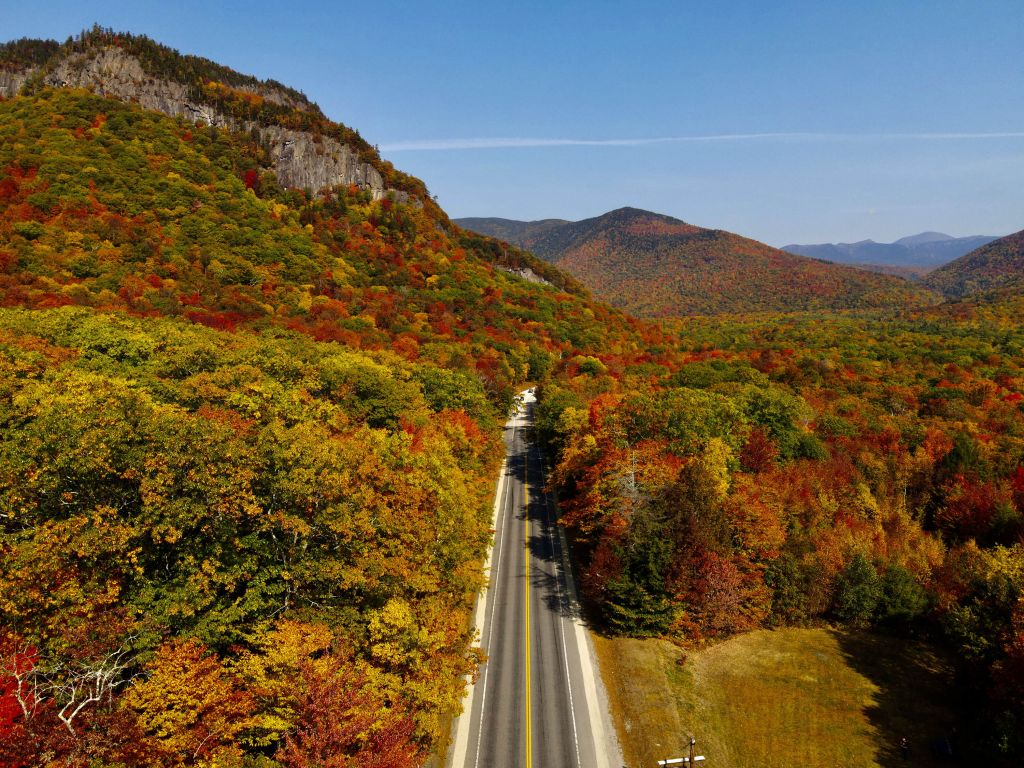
column 864, row 470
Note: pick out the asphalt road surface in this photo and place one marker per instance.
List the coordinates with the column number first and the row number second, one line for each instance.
column 538, row 700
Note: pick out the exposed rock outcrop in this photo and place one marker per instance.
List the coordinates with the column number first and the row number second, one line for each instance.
column 303, row 161
column 11, row 81
column 111, row 72
column 299, row 159
column 524, row 272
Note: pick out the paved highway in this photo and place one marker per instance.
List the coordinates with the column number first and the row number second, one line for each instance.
column 538, row 700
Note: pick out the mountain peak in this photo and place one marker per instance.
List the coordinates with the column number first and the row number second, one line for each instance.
column 655, row 265
column 637, row 221
column 628, row 210
column 628, row 213
column 305, row 149
column 924, row 237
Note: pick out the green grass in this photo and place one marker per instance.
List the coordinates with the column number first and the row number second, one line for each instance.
column 794, row 697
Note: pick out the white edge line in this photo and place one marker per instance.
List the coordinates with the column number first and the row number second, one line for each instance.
column 461, row 745
column 553, row 523
column 500, row 545
column 598, row 714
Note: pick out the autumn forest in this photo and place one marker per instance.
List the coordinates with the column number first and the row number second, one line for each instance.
column 249, row 436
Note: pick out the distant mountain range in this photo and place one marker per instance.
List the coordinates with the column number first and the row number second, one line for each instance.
column 654, row 265
column 996, row 266
column 510, row 230
column 916, row 254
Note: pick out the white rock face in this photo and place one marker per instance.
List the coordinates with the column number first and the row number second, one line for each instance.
column 300, row 161
column 524, row 272
column 11, row 82
column 110, row 72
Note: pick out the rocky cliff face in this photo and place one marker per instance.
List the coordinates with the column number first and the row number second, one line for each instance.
column 11, row 81
column 524, row 272
column 302, row 162
column 299, row 160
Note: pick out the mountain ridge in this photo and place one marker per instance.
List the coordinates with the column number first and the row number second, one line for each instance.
column 995, row 266
column 655, row 265
column 923, row 251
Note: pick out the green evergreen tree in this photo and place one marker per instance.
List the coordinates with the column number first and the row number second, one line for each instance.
column 858, row 591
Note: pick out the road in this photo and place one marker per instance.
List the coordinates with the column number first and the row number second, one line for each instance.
column 538, row 700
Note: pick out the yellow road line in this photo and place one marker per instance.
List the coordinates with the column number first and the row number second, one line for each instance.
column 526, row 538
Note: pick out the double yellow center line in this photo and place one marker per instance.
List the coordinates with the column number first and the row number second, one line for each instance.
column 526, row 587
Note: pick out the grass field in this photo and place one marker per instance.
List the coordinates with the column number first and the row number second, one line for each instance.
column 812, row 698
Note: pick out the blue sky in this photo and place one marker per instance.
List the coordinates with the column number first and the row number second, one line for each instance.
column 783, row 121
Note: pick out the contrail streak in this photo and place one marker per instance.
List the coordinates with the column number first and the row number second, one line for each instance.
column 449, row 145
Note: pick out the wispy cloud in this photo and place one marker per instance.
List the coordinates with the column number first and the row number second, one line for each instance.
column 449, row 145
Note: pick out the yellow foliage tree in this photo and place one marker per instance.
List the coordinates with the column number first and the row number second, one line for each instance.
column 190, row 706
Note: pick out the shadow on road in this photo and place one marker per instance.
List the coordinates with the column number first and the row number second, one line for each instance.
column 545, row 544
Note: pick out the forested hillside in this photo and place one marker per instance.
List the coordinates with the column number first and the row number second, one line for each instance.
column 656, row 266
column 996, row 266
column 249, row 436
column 212, row 540
column 110, row 206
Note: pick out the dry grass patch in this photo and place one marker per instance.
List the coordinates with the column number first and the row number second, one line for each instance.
column 813, row 698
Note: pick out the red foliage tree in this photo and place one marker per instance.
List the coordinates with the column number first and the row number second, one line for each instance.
column 970, row 507
column 604, row 566
column 344, row 724
column 718, row 596
column 1017, row 486
column 759, row 452
column 252, row 180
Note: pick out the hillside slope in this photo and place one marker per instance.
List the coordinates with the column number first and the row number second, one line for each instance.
column 995, row 266
column 185, row 223
column 303, row 148
column 653, row 265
